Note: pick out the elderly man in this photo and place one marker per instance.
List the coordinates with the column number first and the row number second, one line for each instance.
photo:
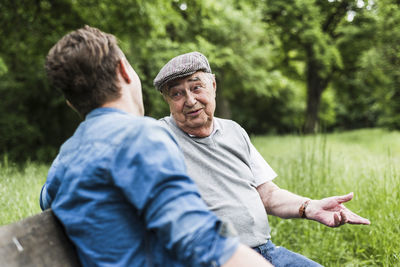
column 119, row 184
column 233, row 178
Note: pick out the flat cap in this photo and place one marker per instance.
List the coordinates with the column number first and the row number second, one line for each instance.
column 181, row 66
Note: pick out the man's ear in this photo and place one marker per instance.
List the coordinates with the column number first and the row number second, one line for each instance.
column 73, row 108
column 123, row 70
column 70, row 105
column 214, row 82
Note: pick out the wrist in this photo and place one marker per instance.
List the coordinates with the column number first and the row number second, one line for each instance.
column 303, row 208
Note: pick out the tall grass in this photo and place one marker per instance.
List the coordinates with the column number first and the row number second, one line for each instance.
column 19, row 190
column 366, row 162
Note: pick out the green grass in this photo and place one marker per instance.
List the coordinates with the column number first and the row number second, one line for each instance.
column 366, row 162
column 19, row 190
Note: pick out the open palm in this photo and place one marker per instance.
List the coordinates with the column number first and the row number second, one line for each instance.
column 331, row 211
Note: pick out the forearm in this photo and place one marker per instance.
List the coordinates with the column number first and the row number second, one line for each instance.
column 329, row 211
column 280, row 202
column 285, row 204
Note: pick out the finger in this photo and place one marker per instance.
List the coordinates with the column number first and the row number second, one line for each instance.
column 336, row 220
column 345, row 198
column 359, row 220
column 353, row 218
column 343, row 218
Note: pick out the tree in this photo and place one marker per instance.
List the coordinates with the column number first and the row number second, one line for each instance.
column 233, row 37
column 28, row 30
column 273, row 60
column 380, row 66
column 310, row 32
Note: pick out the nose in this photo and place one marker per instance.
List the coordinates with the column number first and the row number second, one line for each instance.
column 190, row 99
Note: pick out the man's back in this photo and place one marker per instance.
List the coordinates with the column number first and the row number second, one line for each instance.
column 108, row 182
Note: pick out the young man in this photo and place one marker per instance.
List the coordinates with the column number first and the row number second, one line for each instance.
column 119, row 184
column 233, row 178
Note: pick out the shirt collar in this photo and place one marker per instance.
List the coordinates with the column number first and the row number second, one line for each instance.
column 101, row 111
column 216, row 128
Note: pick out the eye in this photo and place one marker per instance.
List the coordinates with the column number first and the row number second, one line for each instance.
column 175, row 94
column 196, row 88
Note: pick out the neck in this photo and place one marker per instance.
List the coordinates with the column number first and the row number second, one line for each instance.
column 126, row 106
column 127, row 102
column 203, row 131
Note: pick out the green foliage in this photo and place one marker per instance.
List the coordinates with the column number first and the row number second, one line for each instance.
column 319, row 34
column 383, row 74
column 32, row 116
column 3, row 67
column 280, row 113
column 304, row 27
column 266, row 56
column 365, row 162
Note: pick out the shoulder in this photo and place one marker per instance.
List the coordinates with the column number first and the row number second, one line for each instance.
column 147, row 142
column 231, row 131
column 226, row 122
column 170, row 125
column 122, row 128
column 229, row 125
column 151, row 145
column 166, row 122
column 115, row 125
column 151, row 130
column 121, row 132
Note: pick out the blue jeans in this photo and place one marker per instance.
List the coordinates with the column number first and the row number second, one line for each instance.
column 280, row 256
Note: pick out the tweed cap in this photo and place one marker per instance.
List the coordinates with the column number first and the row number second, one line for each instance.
column 181, row 66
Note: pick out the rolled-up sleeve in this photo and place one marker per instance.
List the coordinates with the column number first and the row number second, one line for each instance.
column 154, row 181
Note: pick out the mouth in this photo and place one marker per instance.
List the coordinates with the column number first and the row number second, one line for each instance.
column 194, row 113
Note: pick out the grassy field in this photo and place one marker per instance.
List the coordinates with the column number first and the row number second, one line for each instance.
column 366, row 162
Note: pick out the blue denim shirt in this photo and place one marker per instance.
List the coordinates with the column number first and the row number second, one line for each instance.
column 119, row 187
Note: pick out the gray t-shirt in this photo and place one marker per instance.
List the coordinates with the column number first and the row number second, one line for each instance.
column 227, row 169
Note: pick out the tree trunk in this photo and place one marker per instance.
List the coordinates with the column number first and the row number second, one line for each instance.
column 223, row 109
column 313, row 103
column 315, row 86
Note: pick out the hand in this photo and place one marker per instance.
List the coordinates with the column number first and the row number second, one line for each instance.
column 331, row 212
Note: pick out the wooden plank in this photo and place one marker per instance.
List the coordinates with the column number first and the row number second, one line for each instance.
column 39, row 240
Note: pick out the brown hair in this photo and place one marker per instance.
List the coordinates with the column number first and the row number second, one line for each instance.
column 83, row 66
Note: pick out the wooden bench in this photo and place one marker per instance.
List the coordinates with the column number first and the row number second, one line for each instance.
column 39, row 240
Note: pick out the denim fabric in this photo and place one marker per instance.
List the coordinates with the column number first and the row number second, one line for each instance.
column 119, row 187
column 280, row 256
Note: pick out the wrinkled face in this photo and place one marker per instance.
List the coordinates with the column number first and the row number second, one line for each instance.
column 192, row 101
